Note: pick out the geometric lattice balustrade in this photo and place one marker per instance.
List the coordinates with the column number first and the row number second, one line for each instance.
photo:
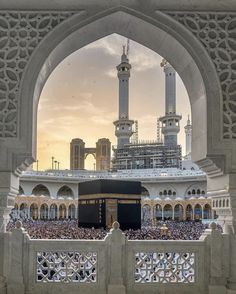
column 67, row 267
column 164, row 267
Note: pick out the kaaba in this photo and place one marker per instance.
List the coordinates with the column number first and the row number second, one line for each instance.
column 101, row 202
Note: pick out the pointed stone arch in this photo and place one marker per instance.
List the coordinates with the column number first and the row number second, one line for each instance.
column 161, row 33
column 40, row 190
column 65, row 191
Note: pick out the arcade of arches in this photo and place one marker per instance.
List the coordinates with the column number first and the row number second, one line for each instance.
column 185, row 210
column 44, row 208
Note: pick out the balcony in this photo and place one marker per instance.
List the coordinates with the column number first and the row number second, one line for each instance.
column 116, row 265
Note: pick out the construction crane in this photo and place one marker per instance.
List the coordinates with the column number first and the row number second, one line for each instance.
column 127, row 47
column 159, row 138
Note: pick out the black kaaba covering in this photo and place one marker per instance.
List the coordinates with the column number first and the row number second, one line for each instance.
column 109, row 186
column 98, row 199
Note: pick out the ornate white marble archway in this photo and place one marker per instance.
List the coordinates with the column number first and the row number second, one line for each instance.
column 196, row 38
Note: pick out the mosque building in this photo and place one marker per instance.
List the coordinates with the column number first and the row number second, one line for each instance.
column 172, row 188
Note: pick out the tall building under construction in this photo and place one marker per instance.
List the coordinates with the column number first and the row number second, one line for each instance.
column 141, row 155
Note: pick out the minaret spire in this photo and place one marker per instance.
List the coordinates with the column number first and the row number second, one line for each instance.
column 170, row 122
column 188, row 138
column 123, row 124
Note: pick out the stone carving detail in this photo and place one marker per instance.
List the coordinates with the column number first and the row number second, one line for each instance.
column 217, row 33
column 66, row 267
column 165, row 267
column 20, row 34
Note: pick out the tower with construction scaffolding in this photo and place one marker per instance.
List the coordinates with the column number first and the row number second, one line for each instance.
column 130, row 153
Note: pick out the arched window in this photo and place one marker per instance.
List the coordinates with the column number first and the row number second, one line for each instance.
column 220, row 203
column 62, row 211
column 158, row 212
column 223, row 202
column 178, row 212
column 144, row 192
column 216, row 203
column 227, row 202
column 193, row 192
column 34, row 211
column 21, row 191
column 40, row 190
column 146, row 213
column 44, row 211
column 65, row 191
column 203, row 192
column 169, row 192
column 189, row 212
column 165, row 192
column 71, row 211
column 207, row 211
column 168, row 212
column 53, row 211
column 198, row 192
column 24, row 213
column 160, row 193
column 197, row 212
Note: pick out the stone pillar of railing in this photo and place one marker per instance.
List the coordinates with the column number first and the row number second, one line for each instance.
column 15, row 280
column 3, row 257
column 218, row 260
column 9, row 185
column 223, row 188
column 116, row 240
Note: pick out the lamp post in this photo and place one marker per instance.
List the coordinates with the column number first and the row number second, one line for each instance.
column 52, row 162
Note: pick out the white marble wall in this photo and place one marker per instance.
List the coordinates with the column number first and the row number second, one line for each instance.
column 118, row 270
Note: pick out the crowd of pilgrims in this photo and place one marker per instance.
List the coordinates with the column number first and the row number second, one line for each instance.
column 68, row 229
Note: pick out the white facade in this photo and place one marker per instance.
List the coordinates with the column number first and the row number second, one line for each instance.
column 154, row 180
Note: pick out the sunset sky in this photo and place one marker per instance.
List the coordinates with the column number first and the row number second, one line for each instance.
column 80, row 99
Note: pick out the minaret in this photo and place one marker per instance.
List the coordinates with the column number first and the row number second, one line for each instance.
column 123, row 125
column 170, row 122
column 188, row 138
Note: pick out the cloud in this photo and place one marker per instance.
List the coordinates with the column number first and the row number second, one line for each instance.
column 104, row 119
column 112, row 73
column 112, row 44
column 141, row 58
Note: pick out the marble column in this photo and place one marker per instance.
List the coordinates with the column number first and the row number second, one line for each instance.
column 9, row 187
column 116, row 240
column 16, row 279
column 222, row 187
